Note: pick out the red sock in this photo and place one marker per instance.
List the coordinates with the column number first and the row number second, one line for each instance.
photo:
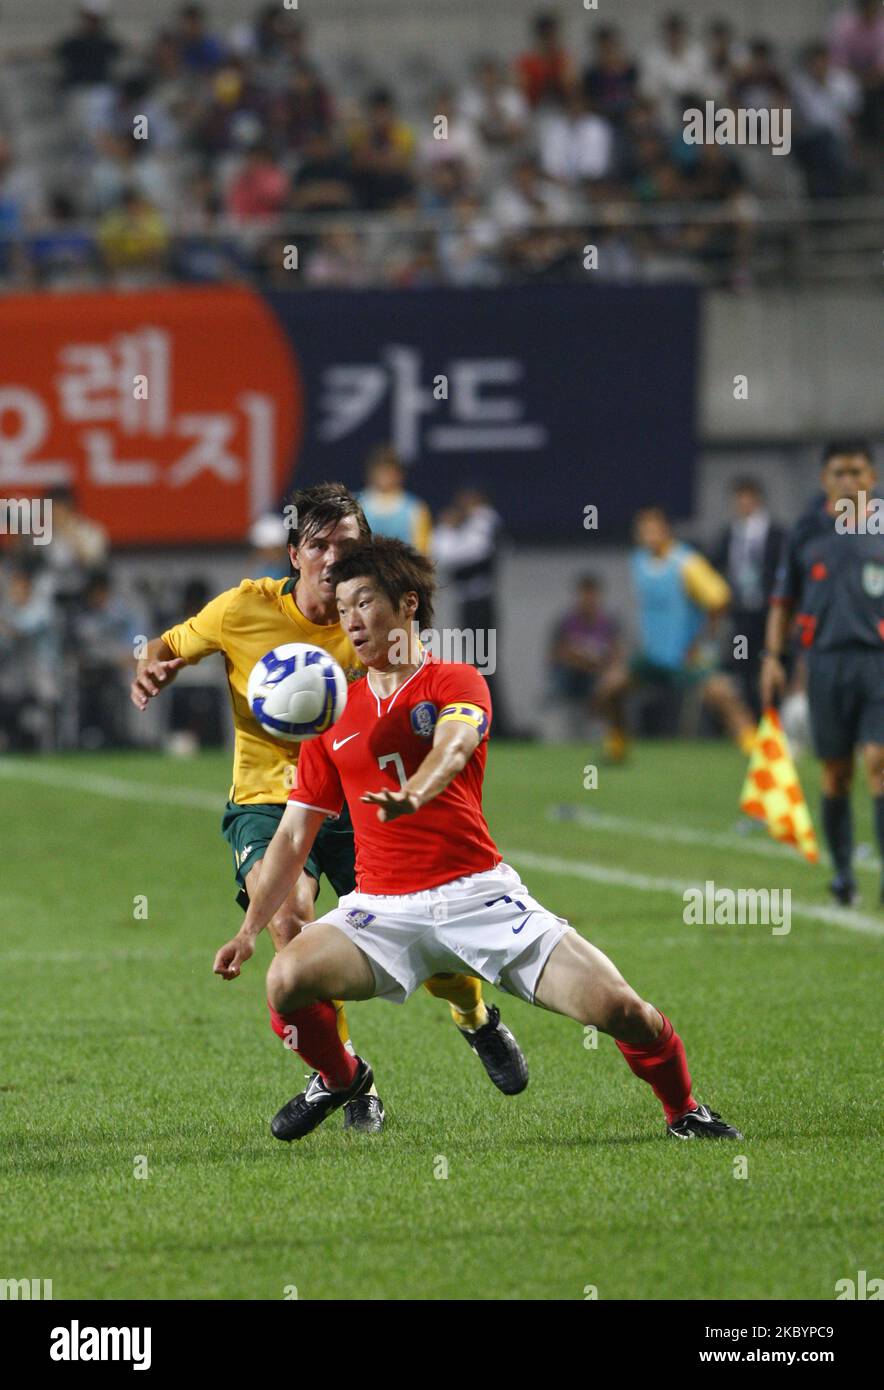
column 664, row 1066
column 314, row 1036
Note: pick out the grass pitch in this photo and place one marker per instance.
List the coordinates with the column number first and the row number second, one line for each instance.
column 123, row 1055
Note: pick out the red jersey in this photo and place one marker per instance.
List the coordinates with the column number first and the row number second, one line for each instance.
column 380, row 742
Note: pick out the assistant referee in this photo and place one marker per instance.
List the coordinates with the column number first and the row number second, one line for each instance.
column 830, row 585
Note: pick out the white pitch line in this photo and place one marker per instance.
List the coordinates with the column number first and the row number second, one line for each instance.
column 117, row 787
column 595, row 873
column 690, row 835
column 645, row 883
column 101, row 956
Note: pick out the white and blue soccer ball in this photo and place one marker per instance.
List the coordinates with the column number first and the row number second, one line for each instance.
column 297, row 691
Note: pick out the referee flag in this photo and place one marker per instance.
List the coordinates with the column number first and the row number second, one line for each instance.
column 772, row 792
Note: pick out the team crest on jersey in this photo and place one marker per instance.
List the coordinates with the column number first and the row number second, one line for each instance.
column 423, row 719
column 359, row 918
column 873, row 580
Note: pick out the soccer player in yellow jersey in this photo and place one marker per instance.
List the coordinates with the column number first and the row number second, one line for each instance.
column 245, row 623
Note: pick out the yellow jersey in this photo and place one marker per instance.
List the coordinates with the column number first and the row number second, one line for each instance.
column 245, row 624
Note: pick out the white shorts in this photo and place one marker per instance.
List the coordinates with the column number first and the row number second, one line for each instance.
column 486, row 924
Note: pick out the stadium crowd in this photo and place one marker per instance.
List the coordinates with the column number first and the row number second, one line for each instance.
column 200, row 156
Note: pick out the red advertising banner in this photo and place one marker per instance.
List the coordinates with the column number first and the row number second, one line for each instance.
column 173, row 414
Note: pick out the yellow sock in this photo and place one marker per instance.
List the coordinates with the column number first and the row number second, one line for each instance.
column 747, row 742
column 463, row 994
column 343, row 1026
column 344, row 1034
column 616, row 745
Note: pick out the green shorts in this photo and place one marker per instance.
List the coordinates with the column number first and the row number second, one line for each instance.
column 249, row 829
column 645, row 672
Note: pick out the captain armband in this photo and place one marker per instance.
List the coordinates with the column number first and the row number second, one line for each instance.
column 466, row 714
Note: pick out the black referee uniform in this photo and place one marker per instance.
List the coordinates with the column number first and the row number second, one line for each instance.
column 833, row 578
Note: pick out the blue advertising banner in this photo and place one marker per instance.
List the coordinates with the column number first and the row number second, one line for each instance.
column 550, row 398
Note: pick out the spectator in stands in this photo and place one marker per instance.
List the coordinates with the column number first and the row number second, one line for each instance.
column 382, row 151
column 120, row 163
column 339, row 261
column 576, row 146
column 200, row 253
column 417, row 266
column 585, row 647
column 858, row 45
column 104, row 632
column 260, row 189
column 610, row 81
column 134, row 238
column 531, row 213
column 302, row 110
column 653, row 174
column 724, row 246
column 135, row 99
column 21, row 192
column 389, row 509
column 172, row 83
column 296, row 45
column 747, row 553
column 324, row 180
column 201, row 51
column 759, row 83
column 236, row 113
column 449, row 140
column 723, row 58
column 545, row 70
column 467, row 248
column 673, row 70
column 264, row 42
column 29, row 650
column 495, row 107
column 87, row 61
column 64, row 255
column 528, row 198
column 443, row 184
column 825, row 99
column 87, row 57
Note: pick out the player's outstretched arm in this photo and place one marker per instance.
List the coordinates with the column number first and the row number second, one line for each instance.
column 155, row 670
column 285, row 858
column 454, row 744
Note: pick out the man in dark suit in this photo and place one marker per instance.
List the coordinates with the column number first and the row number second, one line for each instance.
column 747, row 553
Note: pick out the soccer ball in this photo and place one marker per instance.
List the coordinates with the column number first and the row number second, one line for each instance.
column 297, row 691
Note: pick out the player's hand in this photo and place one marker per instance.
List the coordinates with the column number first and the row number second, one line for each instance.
column 773, row 681
column 232, row 957
column 153, row 677
column 392, row 804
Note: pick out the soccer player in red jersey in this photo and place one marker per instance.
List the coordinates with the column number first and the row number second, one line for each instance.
column 408, row 755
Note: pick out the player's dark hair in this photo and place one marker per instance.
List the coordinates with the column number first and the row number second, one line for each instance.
column 847, row 446
column 320, row 508
column 397, row 569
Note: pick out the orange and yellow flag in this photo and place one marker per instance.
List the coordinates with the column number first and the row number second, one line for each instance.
column 772, row 791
